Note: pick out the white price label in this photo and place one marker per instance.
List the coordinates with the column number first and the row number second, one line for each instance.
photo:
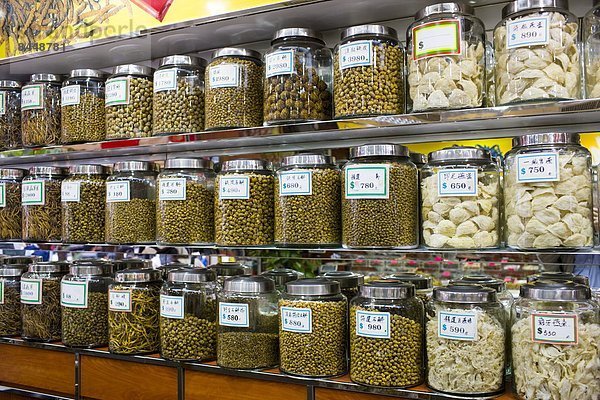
column 33, row 193
column 171, row 306
column 436, row 38
column 70, row 192
column 116, row 92
column 554, row 328
column 2, row 103
column 70, row 95
column 538, row 167
column 1, row 292
column 32, row 97
column 165, row 80
column 457, row 325
column 280, row 63
column 119, row 300
column 368, row 182
column 534, row 31
column 172, row 189
column 295, row 183
column 117, row 191
column 2, row 195
column 233, row 314
column 74, row 294
column 356, row 54
column 297, row 320
column 224, row 75
column 31, row 291
column 373, row 324
column 457, row 182
column 234, row 187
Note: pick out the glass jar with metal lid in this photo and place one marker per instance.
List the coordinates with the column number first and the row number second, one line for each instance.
column 559, row 276
column 312, row 331
column 591, row 51
column 386, row 335
column 423, row 284
column 131, row 203
column 502, row 293
column 536, row 48
column 185, row 204
column 132, row 263
column 129, row 102
column 548, row 192
column 178, row 103
column 10, row 203
column 368, row 70
column 460, row 199
column 188, row 315
column 10, row 114
column 281, row 276
column 40, row 301
column 83, row 197
column 225, row 269
column 446, row 58
column 307, row 201
column 84, row 303
column 466, row 336
column 20, row 261
column 555, row 324
column 379, row 198
column 298, row 77
column 10, row 299
column 41, row 204
column 40, row 110
column 349, row 282
column 168, row 267
column 234, row 89
column 83, row 116
column 244, row 206
column 247, row 332
column 134, row 311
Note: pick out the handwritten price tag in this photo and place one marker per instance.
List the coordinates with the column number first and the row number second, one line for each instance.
column 297, row 320
column 457, row 326
column 554, row 328
column 538, row 167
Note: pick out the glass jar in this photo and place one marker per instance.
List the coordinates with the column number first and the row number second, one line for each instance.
column 466, row 337
column 559, row 276
column 489, row 95
column 134, row 310
column 591, row 49
column 379, row 198
column 83, row 116
column 10, row 114
column 40, row 200
column 386, row 335
column 10, row 203
column 227, row 269
column 40, row 111
column 368, row 71
column 502, row 293
column 234, row 91
column 178, row 102
column 84, row 303
column 247, row 332
column 166, row 268
column 40, row 301
column 281, row 276
column 548, row 193
column 446, row 58
column 349, row 282
column 244, row 207
column 307, row 201
column 129, row 102
column 188, row 315
column 461, row 192
column 10, row 296
column 555, row 342
column 131, row 203
column 423, row 284
column 545, row 67
column 185, row 208
column 298, row 77
column 312, row 332
column 83, row 196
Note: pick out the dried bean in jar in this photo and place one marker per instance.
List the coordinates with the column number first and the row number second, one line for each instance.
column 85, row 121
column 180, row 110
column 83, row 214
column 131, row 221
column 85, row 327
column 247, row 350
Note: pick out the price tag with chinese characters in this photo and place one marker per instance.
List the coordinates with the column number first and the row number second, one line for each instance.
column 32, row 97
column 538, row 167
column 457, row 325
column 171, row 306
column 280, row 63
column 2, row 194
column 33, row 193
column 295, row 183
column 119, row 300
column 70, row 192
column 224, row 75
column 534, row 31
column 117, row 191
column 554, row 328
column 297, row 320
column 436, row 38
column 116, row 92
column 70, row 95
column 233, row 314
column 373, row 324
column 234, row 187
column 355, row 54
column 74, row 294
column 368, row 182
column 172, row 189
column 2, row 103
column 31, row 291
column 457, row 182
column 165, row 80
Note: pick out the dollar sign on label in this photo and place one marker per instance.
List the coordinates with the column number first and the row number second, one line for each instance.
column 351, row 185
column 421, row 45
column 444, row 185
column 444, row 327
column 522, row 171
column 539, row 331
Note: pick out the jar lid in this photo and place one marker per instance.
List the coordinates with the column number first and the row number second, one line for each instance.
column 464, row 294
column 307, row 159
column 297, row 32
column 8, row 84
column 46, row 78
column 192, row 275
column 444, row 8
column 418, row 158
column 132, row 69
column 546, row 138
column 137, row 275
column 93, row 261
column 12, row 173
column 182, row 60
column 421, row 282
column 132, row 263
column 313, row 287
column 166, row 268
column 460, row 153
column 246, row 165
column 369, row 29
column 559, row 276
column 555, row 291
column 50, row 266
column 346, row 279
column 249, row 284
column 188, row 163
column 387, row 289
column 11, row 271
column 522, row 5
column 484, row 280
column 228, row 269
column 89, row 269
column 88, row 169
column 380, row 149
column 21, row 260
column 235, row 52
column 87, row 73
column 281, row 276
column 130, row 166
column 47, row 171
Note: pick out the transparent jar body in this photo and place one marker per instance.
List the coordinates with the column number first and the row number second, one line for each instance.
column 40, row 118
column 83, row 115
column 128, row 114
column 454, row 78
column 192, row 337
column 395, row 360
column 135, row 331
column 304, row 94
column 10, row 308
column 132, row 221
column 253, row 346
column 527, row 72
column 490, row 83
column 41, row 207
column 185, row 206
column 41, row 314
column 591, row 48
column 312, row 219
column 322, row 351
column 178, row 102
column 83, row 213
column 458, row 220
column 373, row 222
column 231, row 104
column 372, row 87
column 10, row 119
column 11, row 211
column 449, row 360
column 548, row 215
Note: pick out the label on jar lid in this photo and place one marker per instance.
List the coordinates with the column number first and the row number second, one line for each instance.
column 280, row 63
column 554, row 328
column 234, row 187
column 355, row 54
column 74, row 294
column 297, row 320
column 538, row 167
column 117, row 191
column 530, row 31
column 31, row 291
column 172, row 189
column 2, row 292
column 171, row 306
column 70, row 192
column 295, row 183
column 368, row 182
column 457, row 182
column 119, row 300
column 2, row 194
column 32, row 97
column 70, row 95
column 2, row 103
column 457, row 325
column 233, row 314
column 33, row 193
column 116, row 92
column 437, row 38
column 165, row 80
column 224, row 75
column 373, row 324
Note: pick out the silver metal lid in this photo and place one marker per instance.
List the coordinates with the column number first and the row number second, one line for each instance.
column 546, row 138
column 281, row 276
column 88, row 169
column 418, row 159
column 313, row 287
column 89, row 269
column 127, row 166
column 228, row 269
column 133, row 69
column 369, row 29
column 483, row 280
column 132, row 263
column 346, row 279
column 182, row 60
column 192, row 275
column 421, row 282
column 444, row 8
column 522, row 5
column 11, row 271
column 20, row 260
column 166, row 268
column 249, row 284
column 50, row 266
column 379, row 149
column 464, row 294
column 460, row 153
column 297, row 32
column 46, row 78
column 47, row 171
column 555, row 291
column 245, row 165
column 87, row 73
column 235, row 52
column 387, row 289
column 8, row 84
column 137, row 275
column 92, row 261
column 188, row 163
column 307, row 159
column 12, row 173
column 558, row 276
